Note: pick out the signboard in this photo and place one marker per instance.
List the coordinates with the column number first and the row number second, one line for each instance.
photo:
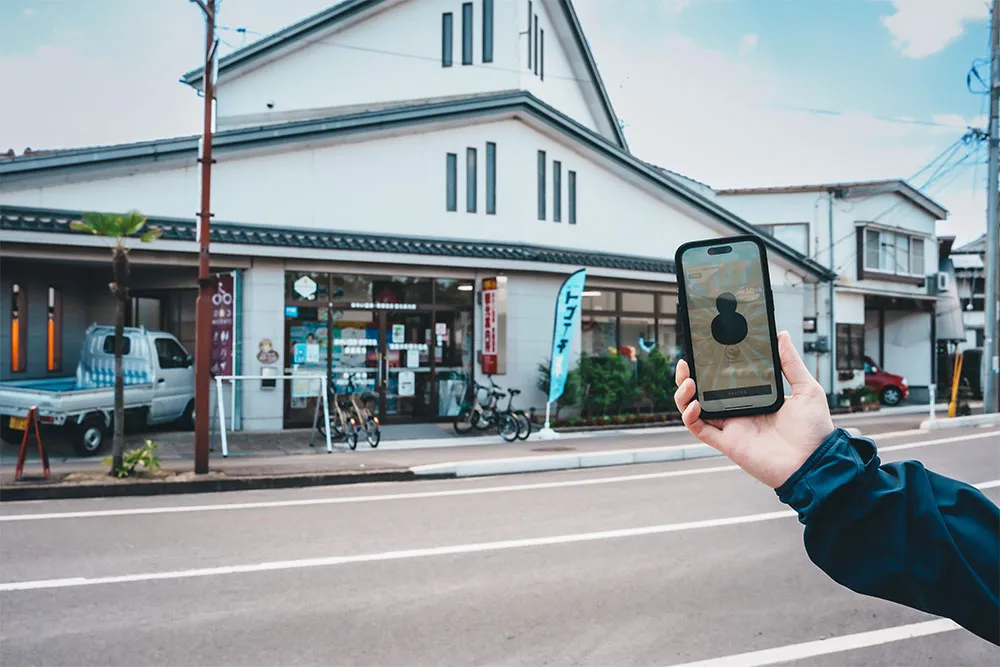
column 306, row 288
column 407, row 383
column 223, row 325
column 398, row 333
column 494, row 351
column 567, row 322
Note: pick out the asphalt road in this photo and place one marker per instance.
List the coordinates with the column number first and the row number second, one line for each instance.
column 659, row 564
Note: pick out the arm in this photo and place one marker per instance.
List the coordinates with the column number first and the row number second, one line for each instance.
column 900, row 532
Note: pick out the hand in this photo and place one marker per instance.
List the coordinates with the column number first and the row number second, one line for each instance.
column 769, row 447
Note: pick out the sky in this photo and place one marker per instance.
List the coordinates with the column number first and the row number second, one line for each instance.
column 734, row 93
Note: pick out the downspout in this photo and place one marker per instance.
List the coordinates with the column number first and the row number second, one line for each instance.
column 833, row 319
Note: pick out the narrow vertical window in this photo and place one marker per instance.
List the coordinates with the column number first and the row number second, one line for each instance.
column 491, row 178
column 529, row 34
column 571, row 187
column 541, row 54
column 536, row 45
column 54, row 331
column 18, row 330
column 467, row 33
column 451, row 177
column 557, row 191
column 541, row 185
column 447, row 39
column 470, row 180
column 487, row 31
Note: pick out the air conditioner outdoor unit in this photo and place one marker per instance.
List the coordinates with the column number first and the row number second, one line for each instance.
column 940, row 284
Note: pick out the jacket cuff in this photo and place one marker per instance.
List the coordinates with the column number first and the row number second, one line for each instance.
column 836, row 463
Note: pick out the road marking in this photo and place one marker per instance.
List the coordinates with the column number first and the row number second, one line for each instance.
column 773, row 656
column 430, row 494
column 988, row 485
column 398, row 555
column 361, row 499
column 893, row 434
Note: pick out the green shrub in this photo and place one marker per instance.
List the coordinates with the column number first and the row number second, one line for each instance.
column 571, row 392
column 140, row 457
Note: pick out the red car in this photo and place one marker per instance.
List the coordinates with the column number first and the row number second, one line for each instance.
column 891, row 389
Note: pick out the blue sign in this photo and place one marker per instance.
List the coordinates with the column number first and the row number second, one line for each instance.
column 568, row 307
column 291, row 311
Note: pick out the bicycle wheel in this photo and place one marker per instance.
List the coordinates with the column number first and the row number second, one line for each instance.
column 507, row 426
column 482, row 421
column 463, row 420
column 372, row 432
column 351, row 433
column 524, row 428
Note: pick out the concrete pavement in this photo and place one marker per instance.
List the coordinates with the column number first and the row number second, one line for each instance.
column 661, row 564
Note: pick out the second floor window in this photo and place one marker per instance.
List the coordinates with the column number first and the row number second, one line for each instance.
column 795, row 235
column 467, row 33
column 447, row 39
column 894, row 252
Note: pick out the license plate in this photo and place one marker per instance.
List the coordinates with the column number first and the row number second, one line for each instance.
column 18, row 423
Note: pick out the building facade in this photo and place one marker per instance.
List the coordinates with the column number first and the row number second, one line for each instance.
column 369, row 202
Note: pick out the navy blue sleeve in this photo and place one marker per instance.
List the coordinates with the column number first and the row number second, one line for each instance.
column 900, row 532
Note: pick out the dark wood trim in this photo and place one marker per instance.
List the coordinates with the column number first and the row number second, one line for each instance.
column 860, row 253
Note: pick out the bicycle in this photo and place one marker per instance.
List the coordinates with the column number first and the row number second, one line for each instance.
column 342, row 423
column 366, row 420
column 473, row 414
column 523, row 421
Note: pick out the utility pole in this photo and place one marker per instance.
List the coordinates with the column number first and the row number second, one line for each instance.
column 990, row 388
column 203, row 312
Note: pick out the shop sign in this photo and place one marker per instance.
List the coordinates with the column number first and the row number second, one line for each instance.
column 407, row 383
column 291, row 311
column 223, row 325
column 305, row 287
column 381, row 305
column 494, row 313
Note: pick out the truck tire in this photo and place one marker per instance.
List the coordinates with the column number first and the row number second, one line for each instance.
column 89, row 435
column 186, row 422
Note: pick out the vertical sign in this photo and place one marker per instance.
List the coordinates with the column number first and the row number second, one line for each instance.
column 490, row 348
column 223, row 325
column 567, row 321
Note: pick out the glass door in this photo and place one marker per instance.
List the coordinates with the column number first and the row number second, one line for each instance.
column 306, row 356
column 408, row 366
column 356, row 354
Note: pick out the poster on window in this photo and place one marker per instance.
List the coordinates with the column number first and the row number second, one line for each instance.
column 223, row 324
column 407, row 383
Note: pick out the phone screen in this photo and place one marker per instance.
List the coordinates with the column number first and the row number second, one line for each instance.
column 729, row 328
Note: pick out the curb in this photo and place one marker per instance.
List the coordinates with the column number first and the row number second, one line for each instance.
column 959, row 422
column 55, row 491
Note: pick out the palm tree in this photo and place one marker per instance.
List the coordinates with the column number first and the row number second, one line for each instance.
column 118, row 227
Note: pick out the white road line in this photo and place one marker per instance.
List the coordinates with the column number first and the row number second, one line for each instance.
column 431, row 494
column 397, row 555
column 988, row 485
column 774, row 656
column 361, row 499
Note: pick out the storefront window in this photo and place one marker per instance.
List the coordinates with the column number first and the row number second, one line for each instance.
column 352, row 288
column 598, row 335
column 306, row 286
column 600, row 300
column 668, row 339
column 452, row 292
column 402, row 289
column 638, row 333
column 668, row 304
column 637, row 302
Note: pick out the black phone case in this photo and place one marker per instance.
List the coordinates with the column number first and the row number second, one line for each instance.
column 769, row 300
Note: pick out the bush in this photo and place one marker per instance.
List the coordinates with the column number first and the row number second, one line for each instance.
column 571, row 392
column 607, row 384
column 141, row 457
column 656, row 381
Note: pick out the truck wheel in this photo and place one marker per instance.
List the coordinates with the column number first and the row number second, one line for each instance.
column 186, row 422
column 89, row 435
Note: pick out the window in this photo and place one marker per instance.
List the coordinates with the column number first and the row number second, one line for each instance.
column 917, row 257
column 638, row 302
column 850, row 347
column 467, row 33
column 557, row 191
column 794, row 235
column 529, row 34
column 491, row 178
column 640, row 320
column 902, row 264
column 536, row 46
column 451, row 177
column 109, row 345
column 871, row 249
column 541, row 54
column 18, row 330
column 572, row 197
column 447, row 39
column 470, row 180
column 541, row 185
column 54, row 331
column 170, row 354
column 487, row 31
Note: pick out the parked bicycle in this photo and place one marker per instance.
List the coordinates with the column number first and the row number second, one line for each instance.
column 342, row 421
column 523, row 421
column 363, row 410
column 482, row 416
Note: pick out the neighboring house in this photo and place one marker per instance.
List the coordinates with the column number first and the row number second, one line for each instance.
column 969, row 261
column 378, row 165
column 885, row 254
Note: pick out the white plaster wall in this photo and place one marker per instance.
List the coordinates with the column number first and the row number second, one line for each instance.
column 263, row 317
column 908, row 346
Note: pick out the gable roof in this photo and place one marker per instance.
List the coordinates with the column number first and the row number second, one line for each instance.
column 855, row 189
column 514, row 104
column 977, row 246
column 347, row 9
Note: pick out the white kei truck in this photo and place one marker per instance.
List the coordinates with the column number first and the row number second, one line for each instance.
column 159, row 389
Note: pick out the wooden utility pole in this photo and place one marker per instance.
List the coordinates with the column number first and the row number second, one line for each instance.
column 990, row 388
column 203, row 316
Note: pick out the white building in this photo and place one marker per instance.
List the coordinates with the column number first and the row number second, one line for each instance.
column 375, row 163
column 885, row 254
column 969, row 262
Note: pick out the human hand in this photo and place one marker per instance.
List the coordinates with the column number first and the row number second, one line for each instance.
column 769, row 447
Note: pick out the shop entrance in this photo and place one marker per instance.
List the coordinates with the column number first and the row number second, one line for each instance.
column 407, row 341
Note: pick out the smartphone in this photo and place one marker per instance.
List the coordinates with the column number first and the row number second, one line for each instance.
column 727, row 310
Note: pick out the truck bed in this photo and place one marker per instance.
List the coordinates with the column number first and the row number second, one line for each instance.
column 61, row 397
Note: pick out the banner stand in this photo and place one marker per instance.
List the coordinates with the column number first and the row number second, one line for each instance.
column 547, row 433
column 569, row 301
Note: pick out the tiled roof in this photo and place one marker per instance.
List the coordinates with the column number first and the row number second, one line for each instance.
column 976, row 246
column 40, row 220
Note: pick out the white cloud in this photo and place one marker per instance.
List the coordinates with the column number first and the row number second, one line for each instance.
column 28, row 12
column 920, row 28
column 675, row 6
column 748, row 43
